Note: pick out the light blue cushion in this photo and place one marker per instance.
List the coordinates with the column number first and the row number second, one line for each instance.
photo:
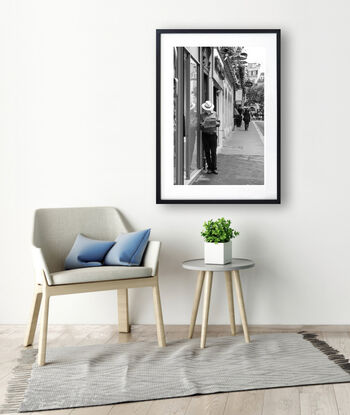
column 87, row 252
column 129, row 249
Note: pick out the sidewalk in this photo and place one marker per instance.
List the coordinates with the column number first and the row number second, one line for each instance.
column 240, row 160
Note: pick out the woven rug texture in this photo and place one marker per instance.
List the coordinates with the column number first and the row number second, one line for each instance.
column 109, row 374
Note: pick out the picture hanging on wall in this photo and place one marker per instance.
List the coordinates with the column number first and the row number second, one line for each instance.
column 218, row 116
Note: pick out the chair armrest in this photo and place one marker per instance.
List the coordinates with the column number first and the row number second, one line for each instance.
column 151, row 256
column 40, row 267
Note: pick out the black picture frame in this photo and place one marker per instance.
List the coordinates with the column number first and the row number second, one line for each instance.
column 159, row 198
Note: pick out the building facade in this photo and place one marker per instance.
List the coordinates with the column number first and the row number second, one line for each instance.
column 200, row 74
column 254, row 72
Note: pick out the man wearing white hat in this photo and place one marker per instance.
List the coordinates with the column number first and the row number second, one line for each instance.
column 209, row 123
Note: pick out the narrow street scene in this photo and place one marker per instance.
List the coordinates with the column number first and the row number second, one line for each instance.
column 240, row 160
column 219, row 115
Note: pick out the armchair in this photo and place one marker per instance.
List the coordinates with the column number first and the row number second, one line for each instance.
column 53, row 235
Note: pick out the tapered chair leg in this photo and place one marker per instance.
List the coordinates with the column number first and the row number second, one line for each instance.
column 159, row 316
column 43, row 329
column 29, row 336
column 123, row 311
column 241, row 305
column 206, row 304
column 197, row 298
column 231, row 309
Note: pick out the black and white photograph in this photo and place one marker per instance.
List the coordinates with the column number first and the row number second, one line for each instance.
column 224, row 141
column 223, row 136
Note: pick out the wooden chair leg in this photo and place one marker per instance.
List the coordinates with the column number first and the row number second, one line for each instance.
column 231, row 309
column 43, row 329
column 241, row 305
column 29, row 336
column 206, row 304
column 197, row 298
column 159, row 316
column 123, row 311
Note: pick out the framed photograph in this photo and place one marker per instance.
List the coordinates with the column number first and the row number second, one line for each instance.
column 218, row 116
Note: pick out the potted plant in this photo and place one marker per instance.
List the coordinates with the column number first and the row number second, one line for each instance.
column 218, row 245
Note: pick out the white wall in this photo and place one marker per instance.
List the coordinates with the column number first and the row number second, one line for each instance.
column 77, row 128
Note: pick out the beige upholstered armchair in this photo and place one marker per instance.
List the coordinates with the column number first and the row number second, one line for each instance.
column 54, row 233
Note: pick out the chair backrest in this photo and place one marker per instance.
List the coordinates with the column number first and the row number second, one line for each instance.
column 55, row 230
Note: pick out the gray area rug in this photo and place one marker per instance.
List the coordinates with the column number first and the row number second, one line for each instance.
column 109, row 374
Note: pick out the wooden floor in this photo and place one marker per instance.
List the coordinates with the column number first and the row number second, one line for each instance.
column 311, row 400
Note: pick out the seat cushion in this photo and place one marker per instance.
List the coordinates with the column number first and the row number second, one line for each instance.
column 95, row 274
column 87, row 252
column 129, row 249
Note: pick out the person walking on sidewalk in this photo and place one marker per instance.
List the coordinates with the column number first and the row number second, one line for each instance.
column 237, row 118
column 246, row 118
column 209, row 123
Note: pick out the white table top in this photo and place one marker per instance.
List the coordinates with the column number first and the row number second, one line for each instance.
column 234, row 265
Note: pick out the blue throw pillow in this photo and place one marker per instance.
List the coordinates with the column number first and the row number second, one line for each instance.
column 87, row 252
column 129, row 249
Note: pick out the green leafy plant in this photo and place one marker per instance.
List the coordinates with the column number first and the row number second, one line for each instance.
column 218, row 231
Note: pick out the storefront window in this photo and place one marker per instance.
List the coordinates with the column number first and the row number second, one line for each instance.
column 193, row 130
column 186, row 116
column 175, row 86
column 191, row 117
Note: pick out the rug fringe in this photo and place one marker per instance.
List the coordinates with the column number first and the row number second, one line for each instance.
column 17, row 386
column 328, row 350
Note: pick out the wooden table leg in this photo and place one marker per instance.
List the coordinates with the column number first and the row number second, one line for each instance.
column 197, row 298
column 231, row 310
column 241, row 304
column 207, row 292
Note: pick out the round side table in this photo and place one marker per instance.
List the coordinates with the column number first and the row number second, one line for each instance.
column 206, row 270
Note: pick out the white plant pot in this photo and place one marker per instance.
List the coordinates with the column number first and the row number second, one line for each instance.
column 220, row 253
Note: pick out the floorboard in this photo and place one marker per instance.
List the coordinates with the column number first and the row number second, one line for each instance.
column 284, row 401
column 207, row 404
column 245, row 403
column 176, row 406
column 318, row 400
